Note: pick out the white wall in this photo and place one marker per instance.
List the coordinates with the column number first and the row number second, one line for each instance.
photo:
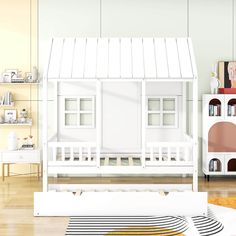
column 209, row 23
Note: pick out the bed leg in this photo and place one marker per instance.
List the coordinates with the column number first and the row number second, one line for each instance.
column 208, row 178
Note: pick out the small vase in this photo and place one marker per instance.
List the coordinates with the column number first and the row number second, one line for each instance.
column 215, row 84
column 12, row 143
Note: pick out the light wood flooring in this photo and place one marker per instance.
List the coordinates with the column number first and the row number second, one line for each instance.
column 16, row 201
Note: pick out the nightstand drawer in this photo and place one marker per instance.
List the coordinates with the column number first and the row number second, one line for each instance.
column 21, row 156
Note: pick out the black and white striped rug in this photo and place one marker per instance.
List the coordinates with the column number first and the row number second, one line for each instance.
column 142, row 225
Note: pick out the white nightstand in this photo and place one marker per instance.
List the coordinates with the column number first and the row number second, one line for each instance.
column 20, row 157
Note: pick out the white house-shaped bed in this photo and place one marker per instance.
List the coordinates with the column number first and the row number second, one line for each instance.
column 120, row 109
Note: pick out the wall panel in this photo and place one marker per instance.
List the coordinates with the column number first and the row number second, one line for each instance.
column 144, row 18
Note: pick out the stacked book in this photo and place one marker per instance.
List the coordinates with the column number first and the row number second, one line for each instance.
column 27, row 146
column 214, row 110
column 6, row 99
column 232, row 110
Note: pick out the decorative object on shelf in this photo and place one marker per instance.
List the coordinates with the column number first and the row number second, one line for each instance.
column 23, row 116
column 28, row 77
column 7, row 99
column 227, row 76
column 28, row 143
column 12, row 76
column 10, row 116
column 6, row 77
column 12, row 141
column 214, row 81
column 35, row 74
column 32, row 77
column 13, row 73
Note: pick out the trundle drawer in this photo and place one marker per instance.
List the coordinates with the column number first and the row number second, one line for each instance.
column 21, row 156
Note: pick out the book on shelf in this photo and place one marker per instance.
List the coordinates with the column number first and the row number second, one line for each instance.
column 27, row 146
column 213, row 166
column 215, row 110
column 232, row 110
column 6, row 99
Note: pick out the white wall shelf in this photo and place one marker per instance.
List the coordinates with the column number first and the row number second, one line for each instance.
column 5, row 83
column 15, row 124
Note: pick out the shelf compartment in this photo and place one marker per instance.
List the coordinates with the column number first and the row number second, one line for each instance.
column 231, row 107
column 231, row 165
column 215, row 165
column 215, row 107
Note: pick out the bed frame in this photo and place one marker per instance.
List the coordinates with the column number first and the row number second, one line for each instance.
column 173, row 61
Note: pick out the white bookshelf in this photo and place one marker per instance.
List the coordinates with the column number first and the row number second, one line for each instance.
column 218, row 110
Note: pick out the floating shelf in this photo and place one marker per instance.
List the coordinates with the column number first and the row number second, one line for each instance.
column 18, row 83
column 15, row 124
column 11, row 105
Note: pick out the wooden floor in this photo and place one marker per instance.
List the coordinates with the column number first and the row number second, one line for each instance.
column 16, row 201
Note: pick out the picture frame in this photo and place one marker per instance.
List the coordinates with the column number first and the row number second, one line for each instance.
column 6, row 77
column 10, row 115
column 227, row 74
column 29, row 77
column 13, row 73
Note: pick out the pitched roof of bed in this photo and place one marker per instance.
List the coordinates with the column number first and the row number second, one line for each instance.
column 121, row 58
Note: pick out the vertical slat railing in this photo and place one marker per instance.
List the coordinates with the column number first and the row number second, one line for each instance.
column 177, row 153
column 71, row 153
column 168, row 154
column 80, row 153
column 186, row 152
column 160, row 153
column 151, row 154
column 89, row 153
column 54, row 153
column 63, row 153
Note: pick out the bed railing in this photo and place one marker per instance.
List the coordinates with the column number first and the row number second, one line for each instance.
column 169, row 152
column 71, row 151
column 85, row 153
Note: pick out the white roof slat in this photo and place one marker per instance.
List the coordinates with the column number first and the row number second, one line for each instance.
column 91, row 58
column 55, row 60
column 184, row 58
column 161, row 58
column 102, row 58
column 149, row 58
column 173, row 58
column 137, row 58
column 79, row 58
column 121, row 58
column 114, row 58
column 67, row 58
column 126, row 59
column 193, row 62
